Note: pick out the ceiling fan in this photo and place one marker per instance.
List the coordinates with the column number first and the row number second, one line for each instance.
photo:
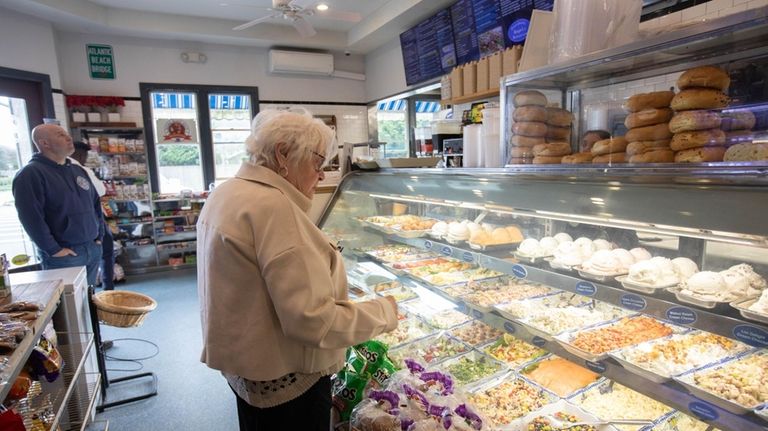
column 296, row 11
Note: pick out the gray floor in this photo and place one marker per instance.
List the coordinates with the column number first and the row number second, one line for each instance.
column 191, row 396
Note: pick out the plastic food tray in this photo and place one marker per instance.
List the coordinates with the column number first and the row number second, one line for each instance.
column 455, row 318
column 762, row 412
column 622, row 357
column 546, row 397
column 514, row 366
column 499, row 369
column 743, row 306
column 572, row 298
column 479, row 326
column 641, row 287
column 602, row 278
column 408, row 350
column 376, row 226
column 556, row 265
column 692, row 300
column 458, row 277
column 521, row 424
column 536, row 329
column 391, row 266
column 401, row 294
column 454, row 241
column 565, row 339
column 530, row 259
column 525, row 369
column 579, row 395
column 414, row 330
column 490, row 307
column 687, row 380
column 493, row 247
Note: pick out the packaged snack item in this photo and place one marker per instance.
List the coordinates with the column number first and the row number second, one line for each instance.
column 45, row 361
column 347, row 392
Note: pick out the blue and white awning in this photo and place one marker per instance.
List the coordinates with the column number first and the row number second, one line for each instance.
column 187, row 101
column 224, row 101
column 401, row 105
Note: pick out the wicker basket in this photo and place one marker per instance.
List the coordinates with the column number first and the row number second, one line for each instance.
column 122, row 308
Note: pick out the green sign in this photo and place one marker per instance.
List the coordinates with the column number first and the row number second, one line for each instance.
column 101, row 61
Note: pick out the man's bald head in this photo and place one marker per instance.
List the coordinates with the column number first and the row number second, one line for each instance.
column 53, row 142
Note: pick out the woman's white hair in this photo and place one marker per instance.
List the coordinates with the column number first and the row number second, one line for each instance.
column 296, row 129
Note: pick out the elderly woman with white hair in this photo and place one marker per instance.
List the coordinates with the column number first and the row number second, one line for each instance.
column 275, row 311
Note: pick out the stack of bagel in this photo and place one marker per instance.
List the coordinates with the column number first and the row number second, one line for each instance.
column 558, row 137
column 529, row 125
column 696, row 123
column 611, row 150
column 648, row 137
column 738, row 124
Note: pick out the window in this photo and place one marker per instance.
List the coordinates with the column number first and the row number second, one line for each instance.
column 394, row 125
column 230, row 125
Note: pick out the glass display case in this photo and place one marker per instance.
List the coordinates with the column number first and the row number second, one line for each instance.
column 626, row 93
column 649, row 277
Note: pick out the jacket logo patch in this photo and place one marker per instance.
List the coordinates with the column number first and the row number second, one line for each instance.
column 83, row 183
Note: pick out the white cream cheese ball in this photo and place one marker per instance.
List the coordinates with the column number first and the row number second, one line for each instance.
column 640, row 254
column 563, row 237
column 705, row 282
column 684, row 267
column 624, row 256
column 601, row 244
column 549, row 244
column 530, row 247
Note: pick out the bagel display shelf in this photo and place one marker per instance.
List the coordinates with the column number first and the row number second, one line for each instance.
column 121, row 308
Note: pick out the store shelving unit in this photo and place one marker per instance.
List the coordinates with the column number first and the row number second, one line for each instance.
column 175, row 231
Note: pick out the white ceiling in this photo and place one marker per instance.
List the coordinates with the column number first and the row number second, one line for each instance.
column 211, row 21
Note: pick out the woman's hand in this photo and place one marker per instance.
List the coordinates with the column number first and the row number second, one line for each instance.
column 392, row 301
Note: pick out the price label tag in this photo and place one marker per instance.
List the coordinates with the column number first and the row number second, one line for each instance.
column 703, row 410
column 681, row 315
column 630, row 301
column 461, row 306
column 751, row 335
column 446, row 250
column 428, row 244
column 519, row 271
column 478, row 314
column 538, row 341
column 468, row 257
column 597, row 367
column 509, row 327
column 586, row 288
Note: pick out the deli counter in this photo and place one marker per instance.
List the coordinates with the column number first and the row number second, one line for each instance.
column 630, row 293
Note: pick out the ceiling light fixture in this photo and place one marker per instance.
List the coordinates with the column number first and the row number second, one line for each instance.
column 322, row 7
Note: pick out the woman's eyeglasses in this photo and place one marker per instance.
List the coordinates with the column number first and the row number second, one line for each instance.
column 318, row 166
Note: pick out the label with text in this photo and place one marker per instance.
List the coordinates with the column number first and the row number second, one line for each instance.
column 428, row 244
column 751, row 335
column 519, row 271
column 468, row 257
column 509, row 327
column 478, row 314
column 597, row 367
column 101, row 61
column 446, row 250
column 538, row 341
column 461, row 306
column 681, row 315
column 586, row 288
column 702, row 410
column 630, row 301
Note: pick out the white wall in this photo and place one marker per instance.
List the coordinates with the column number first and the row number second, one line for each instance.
column 28, row 44
column 146, row 60
column 384, row 70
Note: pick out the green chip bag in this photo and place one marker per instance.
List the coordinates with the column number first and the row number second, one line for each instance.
column 348, row 388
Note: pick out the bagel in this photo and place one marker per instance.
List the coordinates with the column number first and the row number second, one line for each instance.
column 746, row 152
column 521, row 152
column 610, row 158
column 699, row 138
column 648, row 117
column 547, row 160
column 554, row 149
column 738, row 137
column 642, row 147
column 700, row 155
column 738, row 120
column 689, row 121
column 530, row 128
column 578, row 158
column 699, row 98
column 657, row 156
column 559, row 117
column 655, row 99
column 656, row 132
column 526, row 141
column 530, row 113
column 704, row 76
column 520, row 161
column 529, row 97
column 559, row 133
column 611, row 145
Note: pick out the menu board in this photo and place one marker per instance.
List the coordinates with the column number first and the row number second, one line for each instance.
column 543, row 5
column 428, row 49
column 516, row 18
column 488, row 25
column 464, row 36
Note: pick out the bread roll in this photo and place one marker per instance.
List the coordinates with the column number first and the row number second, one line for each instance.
column 592, row 136
column 500, row 236
column 611, row 145
column 704, row 76
column 578, row 158
column 559, row 117
column 699, row 98
column 689, row 121
column 739, row 137
column 520, row 152
column 554, row 149
column 656, row 99
column 656, row 132
column 529, row 97
column 648, row 117
column 699, row 138
column 547, row 160
column 642, row 147
column 559, row 133
column 515, row 234
column 520, row 161
column 530, row 128
column 610, row 158
column 700, row 155
column 657, row 156
column 738, row 120
column 746, row 152
column 526, row 141
column 530, row 113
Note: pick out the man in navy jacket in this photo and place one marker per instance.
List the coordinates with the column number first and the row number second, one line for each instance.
column 58, row 205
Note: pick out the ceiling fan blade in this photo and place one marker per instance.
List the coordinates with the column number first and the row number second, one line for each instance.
column 254, row 22
column 339, row 15
column 303, row 26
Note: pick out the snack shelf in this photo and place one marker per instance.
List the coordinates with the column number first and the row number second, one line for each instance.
column 47, row 294
column 670, row 393
column 74, row 360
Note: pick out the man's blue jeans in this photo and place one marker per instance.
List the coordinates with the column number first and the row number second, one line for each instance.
column 88, row 255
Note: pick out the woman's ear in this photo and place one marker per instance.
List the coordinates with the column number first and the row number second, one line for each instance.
column 281, row 153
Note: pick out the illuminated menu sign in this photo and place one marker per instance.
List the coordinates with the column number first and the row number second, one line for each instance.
column 428, row 49
column 463, row 20
column 516, row 18
column 488, row 25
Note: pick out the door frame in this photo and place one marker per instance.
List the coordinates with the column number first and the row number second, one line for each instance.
column 46, row 91
column 204, row 122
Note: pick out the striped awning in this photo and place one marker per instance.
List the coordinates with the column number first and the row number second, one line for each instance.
column 187, row 101
column 224, row 101
column 401, row 105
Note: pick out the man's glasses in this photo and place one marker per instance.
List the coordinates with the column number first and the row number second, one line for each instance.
column 319, row 166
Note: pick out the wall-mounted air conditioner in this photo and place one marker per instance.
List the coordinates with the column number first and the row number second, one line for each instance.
column 308, row 63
